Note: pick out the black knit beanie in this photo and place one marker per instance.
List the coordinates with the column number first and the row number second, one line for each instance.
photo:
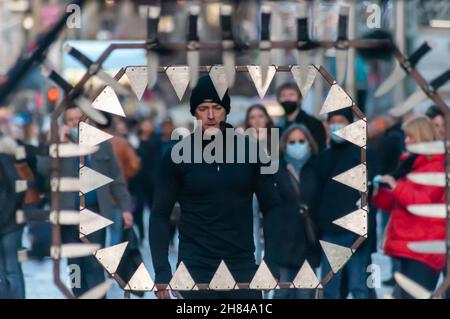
column 205, row 91
column 347, row 113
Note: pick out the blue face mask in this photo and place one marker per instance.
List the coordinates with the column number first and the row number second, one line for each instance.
column 297, row 150
column 74, row 133
column 333, row 128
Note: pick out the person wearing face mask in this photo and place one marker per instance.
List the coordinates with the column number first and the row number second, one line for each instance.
column 395, row 192
column 298, row 188
column 290, row 98
column 338, row 200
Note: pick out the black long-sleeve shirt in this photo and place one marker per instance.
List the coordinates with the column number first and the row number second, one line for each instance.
column 216, row 212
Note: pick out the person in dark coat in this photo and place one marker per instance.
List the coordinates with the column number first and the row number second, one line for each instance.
column 12, row 285
column 215, row 200
column 338, row 200
column 290, row 98
column 298, row 185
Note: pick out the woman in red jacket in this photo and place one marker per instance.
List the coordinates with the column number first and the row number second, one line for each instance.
column 404, row 227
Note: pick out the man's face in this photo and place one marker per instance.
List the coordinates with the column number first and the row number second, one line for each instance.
column 439, row 124
column 211, row 115
column 72, row 117
column 289, row 95
column 339, row 119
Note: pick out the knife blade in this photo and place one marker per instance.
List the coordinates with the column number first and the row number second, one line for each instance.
column 400, row 71
column 70, row 150
column 95, row 69
column 228, row 57
column 73, row 250
column 152, row 42
column 431, row 179
column 428, row 210
column 427, row 148
column 428, row 247
column 411, row 287
column 341, row 49
column 98, row 291
column 193, row 57
column 420, row 95
column 264, row 44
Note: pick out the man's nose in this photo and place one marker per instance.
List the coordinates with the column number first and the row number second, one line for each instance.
column 210, row 114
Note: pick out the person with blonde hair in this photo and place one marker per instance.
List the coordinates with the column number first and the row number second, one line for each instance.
column 395, row 192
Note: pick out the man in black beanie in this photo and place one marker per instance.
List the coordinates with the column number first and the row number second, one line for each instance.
column 216, row 206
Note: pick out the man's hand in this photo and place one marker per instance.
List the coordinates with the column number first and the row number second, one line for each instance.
column 389, row 180
column 63, row 133
column 127, row 220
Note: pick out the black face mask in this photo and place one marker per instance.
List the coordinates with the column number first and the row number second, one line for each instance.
column 289, row 107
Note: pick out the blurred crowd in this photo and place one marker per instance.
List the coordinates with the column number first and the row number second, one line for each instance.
column 310, row 155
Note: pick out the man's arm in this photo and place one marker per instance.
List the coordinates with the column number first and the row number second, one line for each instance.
column 165, row 196
column 118, row 187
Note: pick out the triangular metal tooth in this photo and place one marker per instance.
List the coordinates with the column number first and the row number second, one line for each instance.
column 306, row 277
column 141, row 280
column 428, row 148
column 219, row 79
column 98, row 291
column 108, row 101
column 355, row 222
column 336, row 99
column 91, row 136
column 428, row 247
column 428, row 210
column 182, row 279
column 179, row 78
column 138, row 77
column 304, row 77
column 110, row 257
column 412, row 287
column 355, row 133
column 73, row 250
column 65, row 150
column 263, row 278
column 355, row 177
column 222, row 279
column 86, row 106
column 336, row 255
column 21, row 186
column 90, row 222
column 91, row 180
column 256, row 76
column 430, row 179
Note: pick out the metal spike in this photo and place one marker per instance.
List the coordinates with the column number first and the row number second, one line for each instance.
column 73, row 250
column 336, row 99
column 428, row 210
column 355, row 133
column 304, row 77
column 306, row 277
column 182, row 279
column 428, row 148
column 336, row 255
column 98, row 291
column 91, row 136
column 21, row 186
column 411, row 287
column 64, row 217
column 430, row 179
column 355, row 222
column 65, row 184
column 256, row 75
column 65, row 150
column 263, row 278
column 86, row 106
column 90, row 222
column 108, row 101
column 91, row 180
column 222, row 279
column 428, row 247
column 219, row 79
column 110, row 257
column 355, row 177
column 138, row 77
column 141, row 280
column 179, row 78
